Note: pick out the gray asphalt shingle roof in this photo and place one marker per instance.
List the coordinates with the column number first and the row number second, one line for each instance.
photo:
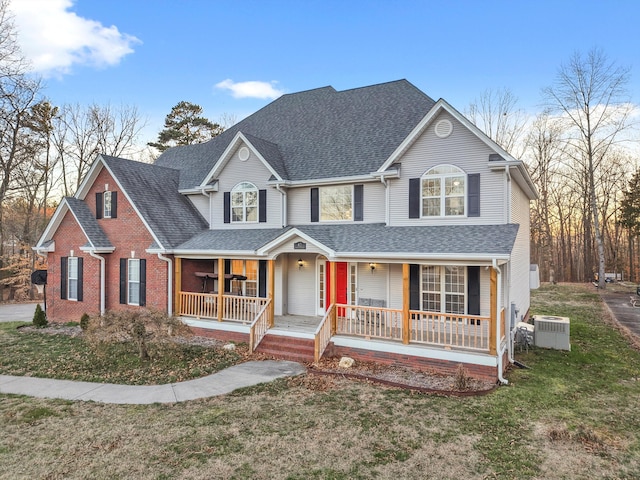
column 372, row 238
column 319, row 133
column 87, row 220
column 154, row 191
column 232, row 240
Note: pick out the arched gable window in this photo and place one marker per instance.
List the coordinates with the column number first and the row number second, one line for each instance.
column 443, row 192
column 244, row 203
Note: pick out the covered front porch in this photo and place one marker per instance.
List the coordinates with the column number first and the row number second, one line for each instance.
column 354, row 316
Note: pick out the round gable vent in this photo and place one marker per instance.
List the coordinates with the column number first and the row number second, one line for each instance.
column 443, row 128
column 243, row 154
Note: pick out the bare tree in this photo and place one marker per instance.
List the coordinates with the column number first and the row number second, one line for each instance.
column 79, row 134
column 590, row 93
column 495, row 112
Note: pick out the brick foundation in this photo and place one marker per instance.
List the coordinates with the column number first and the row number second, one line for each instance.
column 225, row 336
column 420, row 363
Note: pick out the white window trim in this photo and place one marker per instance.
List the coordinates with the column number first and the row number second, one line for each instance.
column 71, row 260
column 443, row 196
column 130, row 262
column 324, row 188
column 443, row 288
column 107, row 194
column 237, row 189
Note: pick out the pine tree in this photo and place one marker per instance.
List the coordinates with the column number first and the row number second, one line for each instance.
column 185, row 125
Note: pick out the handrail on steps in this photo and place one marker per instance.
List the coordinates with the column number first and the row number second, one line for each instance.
column 322, row 335
column 259, row 326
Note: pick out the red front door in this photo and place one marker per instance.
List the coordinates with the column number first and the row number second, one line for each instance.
column 341, row 282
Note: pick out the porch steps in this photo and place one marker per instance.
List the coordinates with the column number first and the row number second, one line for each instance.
column 287, row 348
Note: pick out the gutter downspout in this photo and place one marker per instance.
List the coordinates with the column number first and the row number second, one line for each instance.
column 102, row 281
column 507, row 172
column 384, row 181
column 284, row 204
column 169, row 283
column 502, row 380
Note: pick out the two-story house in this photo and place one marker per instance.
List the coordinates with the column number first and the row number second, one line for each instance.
column 374, row 222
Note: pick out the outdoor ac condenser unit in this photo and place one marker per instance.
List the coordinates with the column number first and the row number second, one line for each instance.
column 551, row 332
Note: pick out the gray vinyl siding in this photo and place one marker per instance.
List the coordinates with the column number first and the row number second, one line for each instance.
column 374, row 284
column 520, row 257
column 202, row 204
column 462, row 149
column 301, row 285
column 395, row 286
column 254, row 171
column 299, row 204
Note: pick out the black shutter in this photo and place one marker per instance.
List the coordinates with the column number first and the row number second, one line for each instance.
column 123, row 281
column 414, row 287
column 315, row 205
column 358, row 207
column 262, row 206
column 227, row 281
column 99, row 204
column 262, row 279
column 473, row 195
column 143, row 282
column 414, row 198
column 473, row 291
column 80, row 276
column 63, row 277
column 227, row 207
column 114, row 204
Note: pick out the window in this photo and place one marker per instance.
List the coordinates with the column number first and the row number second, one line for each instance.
column 443, row 288
column 72, row 278
column 133, row 282
column 107, row 204
column 443, row 192
column 248, row 287
column 244, row 203
column 336, row 203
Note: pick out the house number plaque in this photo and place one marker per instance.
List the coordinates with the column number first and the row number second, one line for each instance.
column 299, row 246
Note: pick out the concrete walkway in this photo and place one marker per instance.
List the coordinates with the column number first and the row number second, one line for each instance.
column 225, row 381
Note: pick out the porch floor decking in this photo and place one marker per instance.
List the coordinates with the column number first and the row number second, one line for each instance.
column 295, row 324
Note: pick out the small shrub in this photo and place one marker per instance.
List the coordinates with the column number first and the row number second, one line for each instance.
column 462, row 380
column 84, row 322
column 39, row 318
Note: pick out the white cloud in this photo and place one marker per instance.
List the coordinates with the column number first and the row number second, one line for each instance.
column 251, row 89
column 55, row 39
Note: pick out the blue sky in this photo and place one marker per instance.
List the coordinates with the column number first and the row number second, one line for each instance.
column 155, row 53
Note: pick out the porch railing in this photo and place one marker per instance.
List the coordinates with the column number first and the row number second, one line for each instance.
column 322, row 335
column 450, row 330
column 234, row 308
column 259, row 326
column 370, row 322
column 200, row 305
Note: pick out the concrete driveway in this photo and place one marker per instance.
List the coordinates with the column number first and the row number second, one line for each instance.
column 17, row 312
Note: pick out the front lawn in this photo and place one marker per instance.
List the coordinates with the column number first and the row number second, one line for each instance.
column 61, row 356
column 572, row 415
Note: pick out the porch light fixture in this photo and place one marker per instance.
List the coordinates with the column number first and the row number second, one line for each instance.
column 372, row 266
column 300, row 263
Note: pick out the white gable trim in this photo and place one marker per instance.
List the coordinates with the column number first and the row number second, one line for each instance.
column 55, row 222
column 226, row 156
column 90, row 179
column 440, row 106
column 265, row 249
